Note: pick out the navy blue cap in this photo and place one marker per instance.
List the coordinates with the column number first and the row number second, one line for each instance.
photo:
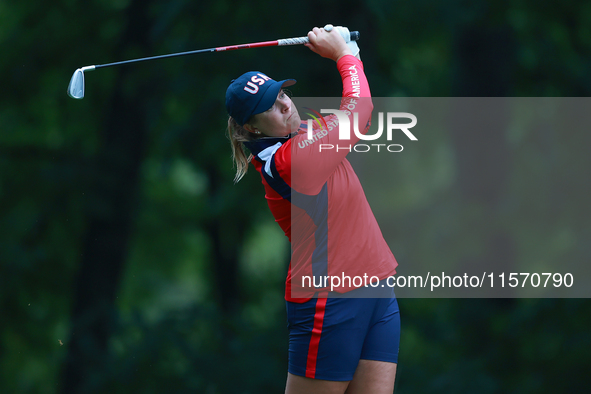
column 252, row 93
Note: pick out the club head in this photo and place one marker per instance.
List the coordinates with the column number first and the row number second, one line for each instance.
column 76, row 87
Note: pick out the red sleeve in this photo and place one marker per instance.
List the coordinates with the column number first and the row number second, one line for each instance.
column 313, row 163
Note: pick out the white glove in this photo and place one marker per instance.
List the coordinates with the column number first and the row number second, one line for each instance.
column 344, row 32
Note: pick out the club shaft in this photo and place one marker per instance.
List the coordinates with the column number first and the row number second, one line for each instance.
column 286, row 41
column 154, row 58
column 218, row 49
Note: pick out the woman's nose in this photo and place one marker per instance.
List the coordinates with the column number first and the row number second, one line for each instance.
column 284, row 104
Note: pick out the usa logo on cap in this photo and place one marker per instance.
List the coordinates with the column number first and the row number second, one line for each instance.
column 257, row 80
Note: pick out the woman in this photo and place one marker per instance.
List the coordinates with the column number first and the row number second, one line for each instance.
column 340, row 340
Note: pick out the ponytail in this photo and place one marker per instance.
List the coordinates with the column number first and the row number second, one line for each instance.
column 238, row 134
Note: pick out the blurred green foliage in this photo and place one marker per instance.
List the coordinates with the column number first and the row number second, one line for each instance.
column 193, row 293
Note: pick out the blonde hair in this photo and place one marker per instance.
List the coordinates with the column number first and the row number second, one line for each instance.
column 237, row 135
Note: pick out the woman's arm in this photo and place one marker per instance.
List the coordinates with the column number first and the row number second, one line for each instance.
column 313, row 161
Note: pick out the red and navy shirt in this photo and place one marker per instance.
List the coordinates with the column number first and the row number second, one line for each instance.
column 317, row 199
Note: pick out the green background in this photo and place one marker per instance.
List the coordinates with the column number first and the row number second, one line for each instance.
column 123, row 237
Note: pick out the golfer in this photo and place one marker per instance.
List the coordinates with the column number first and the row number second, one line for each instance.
column 342, row 338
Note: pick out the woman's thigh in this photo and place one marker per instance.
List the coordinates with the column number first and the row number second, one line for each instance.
column 302, row 385
column 375, row 377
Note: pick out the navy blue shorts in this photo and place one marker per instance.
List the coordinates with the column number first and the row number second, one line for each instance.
column 328, row 336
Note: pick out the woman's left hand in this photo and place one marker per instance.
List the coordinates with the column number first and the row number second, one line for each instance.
column 328, row 44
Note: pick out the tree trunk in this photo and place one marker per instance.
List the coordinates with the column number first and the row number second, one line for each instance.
column 110, row 218
column 485, row 57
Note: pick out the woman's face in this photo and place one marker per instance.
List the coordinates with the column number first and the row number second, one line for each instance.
column 280, row 120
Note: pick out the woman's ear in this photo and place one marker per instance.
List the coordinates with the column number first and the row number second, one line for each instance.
column 251, row 129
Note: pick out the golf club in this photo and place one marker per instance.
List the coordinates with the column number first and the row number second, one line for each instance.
column 76, row 86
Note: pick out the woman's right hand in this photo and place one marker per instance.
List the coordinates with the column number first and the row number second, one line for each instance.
column 328, row 44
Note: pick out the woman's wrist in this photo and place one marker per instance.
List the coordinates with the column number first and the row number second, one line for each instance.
column 343, row 53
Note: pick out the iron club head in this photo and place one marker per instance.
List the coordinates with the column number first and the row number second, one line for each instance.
column 76, row 86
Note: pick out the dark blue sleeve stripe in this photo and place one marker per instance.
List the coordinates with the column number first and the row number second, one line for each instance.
column 316, row 206
column 276, row 182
